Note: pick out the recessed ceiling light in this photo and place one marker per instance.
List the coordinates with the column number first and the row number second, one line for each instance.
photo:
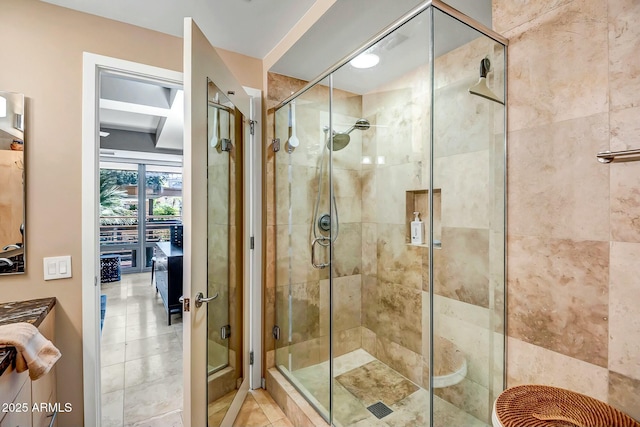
column 103, row 133
column 365, row 60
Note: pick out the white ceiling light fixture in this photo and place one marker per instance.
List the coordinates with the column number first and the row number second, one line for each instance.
column 365, row 60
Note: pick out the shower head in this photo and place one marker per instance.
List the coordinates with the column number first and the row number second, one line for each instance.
column 361, row 124
column 481, row 89
column 341, row 139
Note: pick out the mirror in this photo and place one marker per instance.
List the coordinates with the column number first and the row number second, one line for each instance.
column 224, row 247
column 12, row 194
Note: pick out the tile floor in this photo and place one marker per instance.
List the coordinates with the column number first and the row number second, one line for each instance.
column 260, row 410
column 142, row 365
column 141, row 357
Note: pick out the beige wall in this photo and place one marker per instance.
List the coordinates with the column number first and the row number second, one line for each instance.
column 574, row 238
column 245, row 69
column 42, row 58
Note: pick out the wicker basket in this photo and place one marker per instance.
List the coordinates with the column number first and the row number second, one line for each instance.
column 545, row 406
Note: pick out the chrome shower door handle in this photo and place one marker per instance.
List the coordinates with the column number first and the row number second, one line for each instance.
column 318, row 240
column 200, row 299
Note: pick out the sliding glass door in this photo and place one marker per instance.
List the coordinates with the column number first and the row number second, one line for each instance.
column 136, row 213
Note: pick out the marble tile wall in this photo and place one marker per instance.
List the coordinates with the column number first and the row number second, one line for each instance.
column 574, row 228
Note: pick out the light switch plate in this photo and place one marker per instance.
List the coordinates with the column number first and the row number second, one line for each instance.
column 58, row 267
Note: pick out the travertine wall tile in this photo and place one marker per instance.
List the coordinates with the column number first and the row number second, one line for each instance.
column 556, row 187
column 508, row 14
column 462, row 267
column 625, row 201
column 623, row 394
column 624, row 317
column 398, row 262
column 347, row 250
column 369, row 248
column 558, row 295
column 347, row 302
column 557, row 69
column 399, row 315
column 460, row 124
column 624, row 44
column 469, row 396
column 391, row 184
column 398, row 357
column 456, row 325
column 532, row 364
column 464, row 181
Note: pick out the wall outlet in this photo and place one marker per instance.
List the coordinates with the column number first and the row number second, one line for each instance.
column 58, row 267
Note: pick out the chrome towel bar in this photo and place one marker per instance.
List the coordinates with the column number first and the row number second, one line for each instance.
column 609, row 156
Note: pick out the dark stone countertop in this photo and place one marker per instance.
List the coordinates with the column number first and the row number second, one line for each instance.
column 31, row 311
column 169, row 249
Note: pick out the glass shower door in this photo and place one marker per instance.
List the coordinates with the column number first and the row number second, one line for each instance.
column 303, row 236
column 468, row 269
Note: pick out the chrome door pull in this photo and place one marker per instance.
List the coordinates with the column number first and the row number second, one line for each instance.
column 200, row 299
column 313, row 251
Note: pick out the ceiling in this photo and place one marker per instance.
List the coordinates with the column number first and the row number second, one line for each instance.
column 263, row 22
column 140, row 115
column 348, row 24
column 147, row 116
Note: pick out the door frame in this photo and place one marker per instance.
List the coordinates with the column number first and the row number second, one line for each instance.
column 93, row 65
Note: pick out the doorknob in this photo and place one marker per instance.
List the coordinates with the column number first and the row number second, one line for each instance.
column 201, row 299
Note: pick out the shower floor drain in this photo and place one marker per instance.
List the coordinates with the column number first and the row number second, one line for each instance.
column 380, row 410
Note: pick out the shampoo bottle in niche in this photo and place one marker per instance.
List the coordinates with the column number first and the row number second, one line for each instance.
column 417, row 230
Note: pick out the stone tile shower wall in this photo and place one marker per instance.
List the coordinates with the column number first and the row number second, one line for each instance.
column 574, row 234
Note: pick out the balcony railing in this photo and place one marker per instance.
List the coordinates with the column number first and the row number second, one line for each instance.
column 123, row 237
column 157, row 229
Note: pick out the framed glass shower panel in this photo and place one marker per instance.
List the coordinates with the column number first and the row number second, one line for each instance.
column 468, row 267
column 303, row 252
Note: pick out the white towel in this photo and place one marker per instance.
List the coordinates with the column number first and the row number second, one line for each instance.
column 35, row 352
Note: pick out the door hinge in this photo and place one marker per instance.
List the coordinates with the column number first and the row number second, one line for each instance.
column 251, row 358
column 252, row 127
column 276, row 145
column 276, row 332
column 226, row 144
column 225, row 332
column 252, row 242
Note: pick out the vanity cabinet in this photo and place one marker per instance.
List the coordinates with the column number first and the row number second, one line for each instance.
column 15, row 398
column 43, row 390
column 168, row 274
column 18, row 394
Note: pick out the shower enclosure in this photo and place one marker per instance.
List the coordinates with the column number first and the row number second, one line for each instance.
column 375, row 328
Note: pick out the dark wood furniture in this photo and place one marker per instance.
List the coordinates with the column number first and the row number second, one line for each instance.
column 168, row 274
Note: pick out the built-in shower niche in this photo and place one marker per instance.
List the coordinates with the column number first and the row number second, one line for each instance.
column 418, row 201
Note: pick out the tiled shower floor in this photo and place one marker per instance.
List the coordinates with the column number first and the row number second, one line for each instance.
column 360, row 380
